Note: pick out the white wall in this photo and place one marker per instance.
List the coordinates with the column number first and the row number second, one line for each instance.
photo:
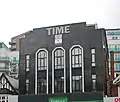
column 113, row 41
column 112, row 99
column 2, row 64
column 13, row 98
column 8, row 98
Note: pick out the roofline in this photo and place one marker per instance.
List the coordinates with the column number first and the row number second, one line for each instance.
column 4, row 44
column 112, row 29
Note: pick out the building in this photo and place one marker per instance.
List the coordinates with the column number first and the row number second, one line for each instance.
column 64, row 63
column 8, row 88
column 8, row 85
column 4, row 58
column 15, row 41
column 9, row 61
column 113, row 39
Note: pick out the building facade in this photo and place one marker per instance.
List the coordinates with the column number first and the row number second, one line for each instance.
column 8, row 61
column 14, row 43
column 4, row 58
column 64, row 60
column 113, row 39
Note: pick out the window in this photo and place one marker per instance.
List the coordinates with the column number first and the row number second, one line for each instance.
column 117, row 57
column 27, row 86
column 4, row 98
column 42, row 85
column 76, row 62
column 42, row 60
column 76, row 57
column 117, row 66
column 77, row 83
column 114, row 47
column 94, row 82
column 93, row 56
column 59, row 59
column 114, row 38
column 59, row 84
column 27, row 59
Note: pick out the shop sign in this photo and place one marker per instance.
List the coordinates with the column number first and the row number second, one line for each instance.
column 58, row 30
column 58, row 99
column 117, row 99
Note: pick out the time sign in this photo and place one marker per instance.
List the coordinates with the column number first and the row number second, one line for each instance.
column 58, row 30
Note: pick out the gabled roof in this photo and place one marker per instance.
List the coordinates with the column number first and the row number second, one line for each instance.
column 9, row 83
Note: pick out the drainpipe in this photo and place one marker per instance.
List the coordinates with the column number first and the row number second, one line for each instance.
column 112, row 64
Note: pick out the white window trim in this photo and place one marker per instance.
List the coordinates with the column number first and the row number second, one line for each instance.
column 37, row 70
column 71, row 68
column 53, row 69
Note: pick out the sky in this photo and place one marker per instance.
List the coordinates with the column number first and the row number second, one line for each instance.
column 19, row 16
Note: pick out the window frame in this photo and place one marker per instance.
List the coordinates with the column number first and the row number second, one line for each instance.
column 53, row 68
column 36, row 70
column 70, row 54
column 27, row 62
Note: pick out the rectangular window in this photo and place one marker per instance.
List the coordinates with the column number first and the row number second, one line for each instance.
column 94, row 82
column 27, row 60
column 27, row 86
column 77, row 83
column 3, row 98
column 42, row 85
column 59, row 85
column 93, row 56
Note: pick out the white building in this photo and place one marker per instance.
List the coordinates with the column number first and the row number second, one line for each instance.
column 8, row 60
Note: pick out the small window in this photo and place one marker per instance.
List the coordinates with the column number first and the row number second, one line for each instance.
column 27, row 85
column 93, row 56
column 94, row 82
column 27, row 62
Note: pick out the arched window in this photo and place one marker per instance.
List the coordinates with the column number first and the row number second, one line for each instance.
column 58, row 64
column 59, row 59
column 76, row 57
column 42, row 60
column 76, row 64
column 41, row 83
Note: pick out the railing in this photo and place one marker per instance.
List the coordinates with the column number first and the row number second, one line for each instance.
column 4, row 58
column 14, row 61
column 4, row 68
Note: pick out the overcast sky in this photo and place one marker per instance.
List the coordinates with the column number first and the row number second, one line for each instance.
column 19, row 16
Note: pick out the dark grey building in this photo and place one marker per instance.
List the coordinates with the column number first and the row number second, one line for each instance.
column 64, row 60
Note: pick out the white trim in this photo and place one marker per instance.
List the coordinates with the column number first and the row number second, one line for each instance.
column 36, row 69
column 53, row 69
column 116, row 80
column 71, row 68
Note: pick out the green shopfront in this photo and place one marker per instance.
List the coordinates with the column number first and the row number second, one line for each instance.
column 65, row 99
column 70, row 97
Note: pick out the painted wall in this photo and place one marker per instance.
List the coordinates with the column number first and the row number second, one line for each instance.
column 13, row 98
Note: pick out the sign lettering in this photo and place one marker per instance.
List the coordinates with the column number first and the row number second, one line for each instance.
column 58, row 30
column 58, row 99
column 116, row 100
